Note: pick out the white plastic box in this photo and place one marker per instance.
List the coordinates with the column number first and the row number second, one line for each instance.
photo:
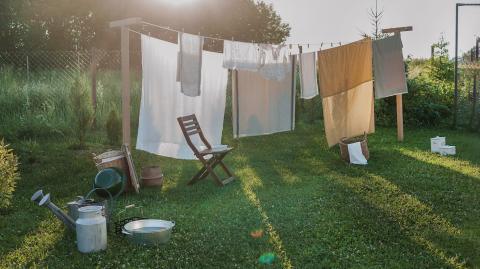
column 436, row 143
column 448, row 150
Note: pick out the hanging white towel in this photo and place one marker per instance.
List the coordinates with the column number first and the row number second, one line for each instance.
column 262, row 106
column 275, row 62
column 241, row 56
column 356, row 155
column 162, row 102
column 190, row 63
column 308, row 75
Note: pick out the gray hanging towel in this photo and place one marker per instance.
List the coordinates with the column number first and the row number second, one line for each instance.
column 189, row 64
column 389, row 68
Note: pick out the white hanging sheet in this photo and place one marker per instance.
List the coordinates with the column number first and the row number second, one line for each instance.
column 162, row 102
column 241, row 56
column 308, row 75
column 262, row 106
column 190, row 63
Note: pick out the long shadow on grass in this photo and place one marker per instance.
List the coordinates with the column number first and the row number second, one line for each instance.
column 448, row 192
column 294, row 222
column 412, row 216
column 418, row 220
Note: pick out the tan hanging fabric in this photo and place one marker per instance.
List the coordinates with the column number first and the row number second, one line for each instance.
column 345, row 67
column 349, row 114
column 346, row 86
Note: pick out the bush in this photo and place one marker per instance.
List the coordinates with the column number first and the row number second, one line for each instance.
column 82, row 110
column 8, row 174
column 113, row 128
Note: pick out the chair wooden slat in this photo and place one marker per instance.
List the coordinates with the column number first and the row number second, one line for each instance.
column 193, row 127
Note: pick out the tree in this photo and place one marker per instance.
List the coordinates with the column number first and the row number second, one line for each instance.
column 73, row 24
column 440, row 68
column 375, row 16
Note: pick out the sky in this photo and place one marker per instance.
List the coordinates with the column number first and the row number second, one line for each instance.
column 317, row 21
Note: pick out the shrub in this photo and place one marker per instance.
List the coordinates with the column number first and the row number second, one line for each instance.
column 82, row 111
column 113, row 128
column 8, row 174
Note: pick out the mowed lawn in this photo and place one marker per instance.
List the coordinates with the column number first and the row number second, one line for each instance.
column 408, row 208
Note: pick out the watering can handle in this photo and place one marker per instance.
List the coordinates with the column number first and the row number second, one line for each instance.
column 125, row 232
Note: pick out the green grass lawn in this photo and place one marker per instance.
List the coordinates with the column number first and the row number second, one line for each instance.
column 408, row 208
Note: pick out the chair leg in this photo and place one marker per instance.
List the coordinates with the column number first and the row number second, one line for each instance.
column 214, row 175
column 208, row 169
column 226, row 169
column 201, row 174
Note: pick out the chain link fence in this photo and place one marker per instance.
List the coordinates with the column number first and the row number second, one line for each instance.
column 61, row 67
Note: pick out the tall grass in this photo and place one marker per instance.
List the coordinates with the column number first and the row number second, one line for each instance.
column 40, row 107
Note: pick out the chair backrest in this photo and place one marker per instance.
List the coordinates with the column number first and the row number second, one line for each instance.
column 190, row 127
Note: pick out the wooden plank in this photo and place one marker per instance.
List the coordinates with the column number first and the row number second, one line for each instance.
column 131, row 168
column 399, row 117
column 397, row 29
column 125, row 48
column 125, row 22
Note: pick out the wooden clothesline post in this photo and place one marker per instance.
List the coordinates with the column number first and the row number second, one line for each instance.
column 400, row 136
column 125, row 60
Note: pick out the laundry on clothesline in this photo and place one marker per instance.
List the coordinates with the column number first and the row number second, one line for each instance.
column 189, row 66
column 308, row 75
column 271, row 61
column 389, row 68
column 346, row 86
column 275, row 62
column 162, row 101
column 261, row 106
column 241, row 56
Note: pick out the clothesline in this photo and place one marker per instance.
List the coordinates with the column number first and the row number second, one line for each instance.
column 222, row 39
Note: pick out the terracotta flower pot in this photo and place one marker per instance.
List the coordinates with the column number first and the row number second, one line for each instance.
column 152, row 176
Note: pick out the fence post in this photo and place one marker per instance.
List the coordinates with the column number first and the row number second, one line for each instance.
column 28, row 70
column 93, row 72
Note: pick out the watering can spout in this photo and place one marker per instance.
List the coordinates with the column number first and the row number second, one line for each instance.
column 44, row 200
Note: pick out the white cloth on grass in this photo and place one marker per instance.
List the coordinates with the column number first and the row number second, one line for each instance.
column 388, row 67
column 241, row 56
column 261, row 106
column 162, row 102
column 189, row 67
column 308, row 75
column 356, row 155
column 275, row 61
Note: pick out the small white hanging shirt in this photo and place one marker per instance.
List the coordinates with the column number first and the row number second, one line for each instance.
column 308, row 75
column 276, row 64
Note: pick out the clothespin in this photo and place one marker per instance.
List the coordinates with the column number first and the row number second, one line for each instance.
column 308, row 45
column 339, row 43
column 321, row 45
column 331, row 44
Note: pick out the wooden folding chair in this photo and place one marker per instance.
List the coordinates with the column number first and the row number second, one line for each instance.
column 190, row 127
